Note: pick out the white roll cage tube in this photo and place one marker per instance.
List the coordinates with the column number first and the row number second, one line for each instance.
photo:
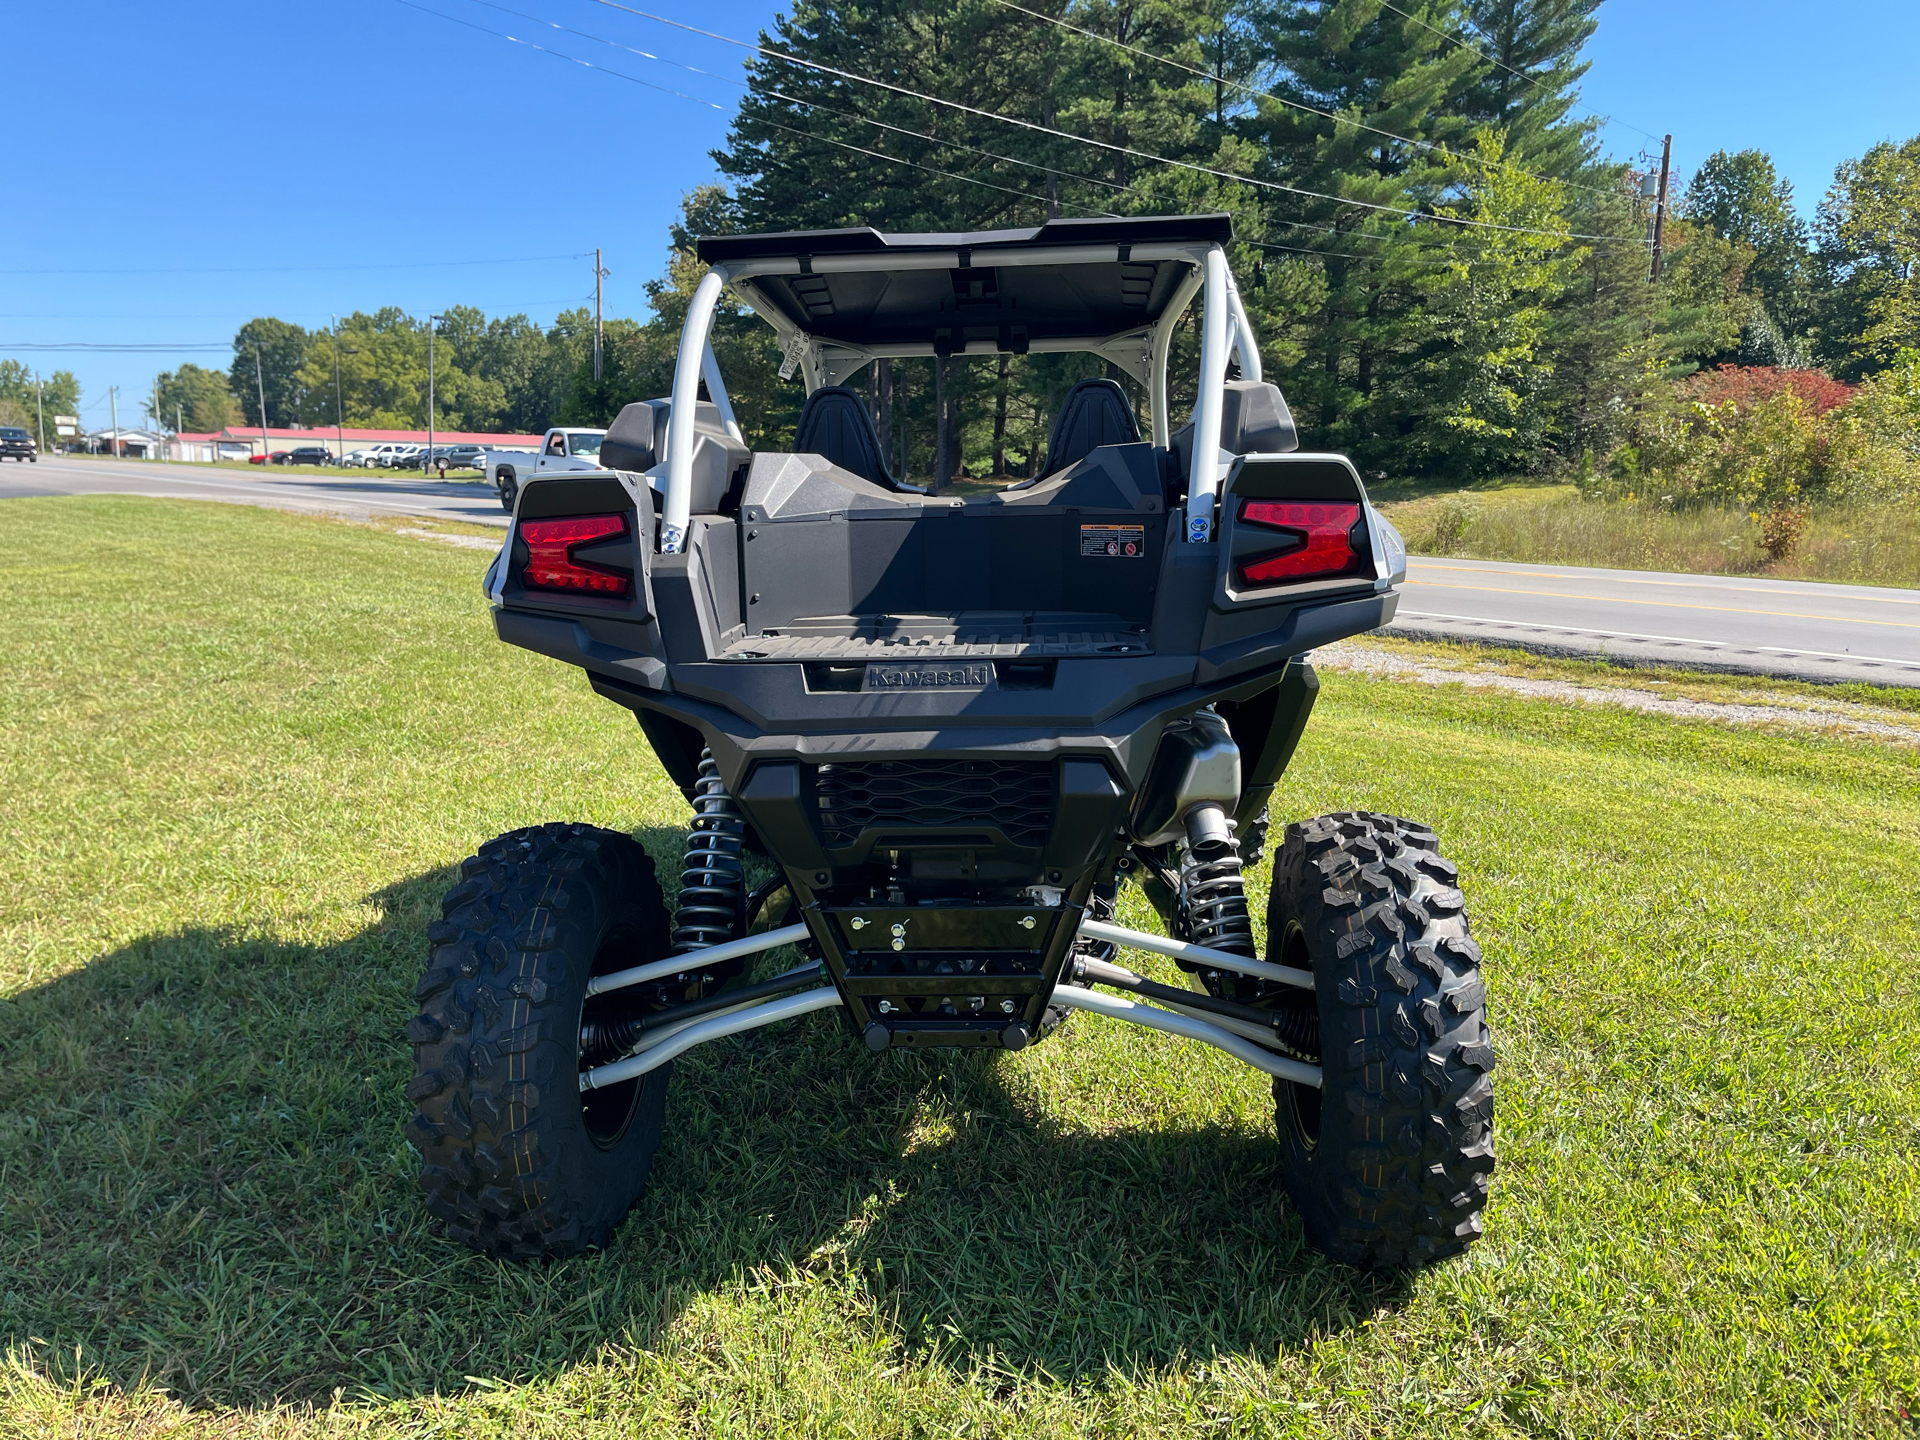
column 686, row 396
column 1225, row 331
column 674, row 1040
column 1216, row 336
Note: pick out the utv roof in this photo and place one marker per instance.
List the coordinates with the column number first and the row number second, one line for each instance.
column 798, row 244
column 1065, row 285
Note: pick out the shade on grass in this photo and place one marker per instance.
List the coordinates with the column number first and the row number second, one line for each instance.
column 241, row 750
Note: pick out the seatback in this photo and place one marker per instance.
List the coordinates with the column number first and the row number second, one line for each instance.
column 1254, row 420
column 1095, row 413
column 836, row 426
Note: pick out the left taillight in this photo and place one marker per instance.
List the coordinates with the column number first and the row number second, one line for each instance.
column 1318, row 541
column 553, row 563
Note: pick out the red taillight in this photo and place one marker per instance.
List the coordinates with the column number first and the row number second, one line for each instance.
column 553, row 566
column 1321, row 532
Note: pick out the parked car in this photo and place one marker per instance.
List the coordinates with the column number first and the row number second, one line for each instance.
column 382, row 456
column 278, row 457
column 357, row 459
column 564, row 448
column 403, row 457
column 307, row 455
column 17, row 444
column 458, row 457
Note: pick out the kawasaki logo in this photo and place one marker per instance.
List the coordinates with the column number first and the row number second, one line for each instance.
column 929, row 677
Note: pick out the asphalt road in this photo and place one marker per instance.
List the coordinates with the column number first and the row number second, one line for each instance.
column 358, row 493
column 1747, row 624
column 1716, row 622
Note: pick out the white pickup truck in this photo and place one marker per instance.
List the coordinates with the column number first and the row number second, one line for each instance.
column 565, row 447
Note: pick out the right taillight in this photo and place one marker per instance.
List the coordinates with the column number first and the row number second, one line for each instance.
column 553, row 565
column 1318, row 541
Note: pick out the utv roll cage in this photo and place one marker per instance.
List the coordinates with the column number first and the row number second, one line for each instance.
column 841, row 299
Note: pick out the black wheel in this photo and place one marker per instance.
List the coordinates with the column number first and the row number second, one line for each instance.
column 517, row 1162
column 509, row 489
column 1389, row 1162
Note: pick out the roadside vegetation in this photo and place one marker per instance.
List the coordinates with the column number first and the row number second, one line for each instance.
column 232, row 791
column 1743, row 470
column 1556, row 525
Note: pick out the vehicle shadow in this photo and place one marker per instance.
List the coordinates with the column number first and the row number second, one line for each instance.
column 204, row 1183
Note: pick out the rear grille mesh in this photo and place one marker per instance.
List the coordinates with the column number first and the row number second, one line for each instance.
column 852, row 796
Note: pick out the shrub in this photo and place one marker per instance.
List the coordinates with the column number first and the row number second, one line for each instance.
column 1750, row 385
column 1452, row 518
column 1781, row 529
column 1875, row 450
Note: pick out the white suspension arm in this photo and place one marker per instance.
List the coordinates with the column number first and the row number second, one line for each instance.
column 1153, row 1018
column 1202, row 954
column 823, row 997
column 690, row 961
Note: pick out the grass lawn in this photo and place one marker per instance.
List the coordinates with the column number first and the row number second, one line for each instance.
column 240, row 752
column 284, row 472
column 1551, row 524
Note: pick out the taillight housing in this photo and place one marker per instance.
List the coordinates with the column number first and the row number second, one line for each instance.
column 552, row 563
column 1318, row 540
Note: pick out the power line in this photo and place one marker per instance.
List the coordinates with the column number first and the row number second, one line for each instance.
column 896, row 129
column 1533, row 80
column 1255, row 90
column 293, row 269
column 1107, row 145
column 193, row 347
column 919, row 135
column 636, row 80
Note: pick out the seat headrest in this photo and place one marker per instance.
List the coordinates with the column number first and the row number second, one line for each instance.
column 836, row 426
column 1255, row 420
column 631, row 438
column 1095, row 413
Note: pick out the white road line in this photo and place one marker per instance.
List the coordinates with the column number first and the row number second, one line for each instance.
column 1669, row 639
column 1653, row 577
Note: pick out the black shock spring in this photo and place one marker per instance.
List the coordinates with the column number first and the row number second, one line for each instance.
column 1213, row 895
column 1296, row 1020
column 712, row 881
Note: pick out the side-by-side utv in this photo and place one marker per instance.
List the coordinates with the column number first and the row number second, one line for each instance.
column 956, row 726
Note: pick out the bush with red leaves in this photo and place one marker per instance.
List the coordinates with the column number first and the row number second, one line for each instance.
column 1746, row 386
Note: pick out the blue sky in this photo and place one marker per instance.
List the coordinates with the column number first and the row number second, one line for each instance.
column 309, row 157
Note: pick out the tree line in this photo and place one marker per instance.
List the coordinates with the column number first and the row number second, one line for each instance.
column 1449, row 275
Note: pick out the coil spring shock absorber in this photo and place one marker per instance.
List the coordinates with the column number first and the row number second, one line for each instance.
column 1213, row 895
column 712, row 880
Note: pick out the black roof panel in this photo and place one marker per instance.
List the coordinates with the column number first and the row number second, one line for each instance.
column 1142, row 230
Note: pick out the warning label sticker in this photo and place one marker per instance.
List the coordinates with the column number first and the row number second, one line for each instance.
column 1126, row 542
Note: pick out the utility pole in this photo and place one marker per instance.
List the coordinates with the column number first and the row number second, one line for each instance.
column 40, row 409
column 259, row 379
column 433, row 323
column 599, row 274
column 113, row 416
column 1660, row 205
column 339, row 412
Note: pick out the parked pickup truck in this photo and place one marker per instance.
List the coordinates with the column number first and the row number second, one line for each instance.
column 564, row 448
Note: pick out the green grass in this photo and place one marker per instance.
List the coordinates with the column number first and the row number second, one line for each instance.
column 1552, row 525
column 240, row 751
column 464, row 477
